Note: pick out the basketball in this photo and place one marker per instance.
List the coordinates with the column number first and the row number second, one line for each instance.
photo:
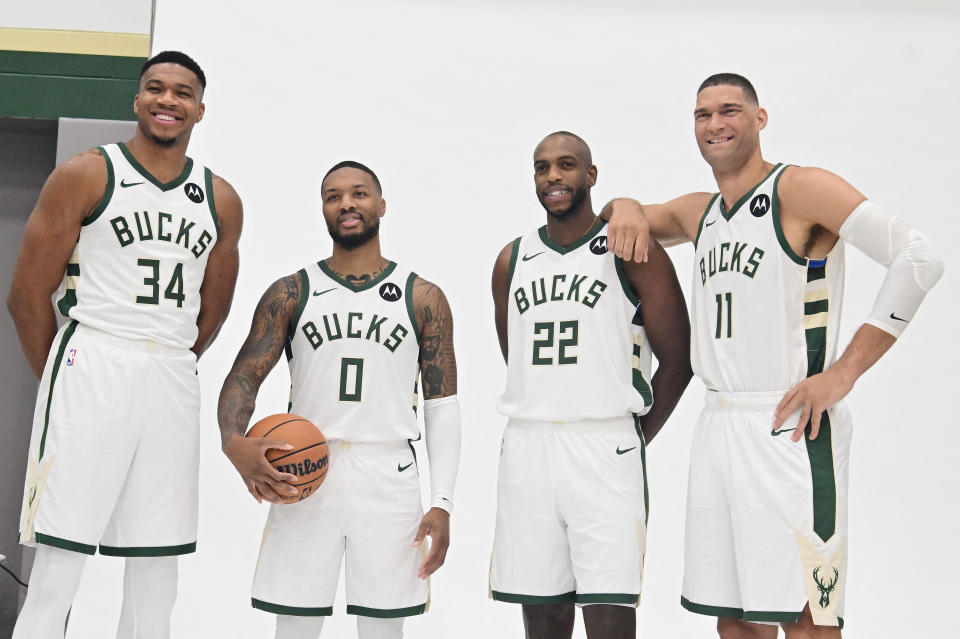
column 308, row 460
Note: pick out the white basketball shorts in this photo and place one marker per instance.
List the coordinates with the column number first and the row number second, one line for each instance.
column 367, row 512
column 571, row 513
column 766, row 528
column 114, row 452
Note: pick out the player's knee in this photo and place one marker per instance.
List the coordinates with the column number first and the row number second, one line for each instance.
column 737, row 629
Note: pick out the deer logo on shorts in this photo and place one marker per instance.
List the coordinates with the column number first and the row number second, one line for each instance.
column 825, row 589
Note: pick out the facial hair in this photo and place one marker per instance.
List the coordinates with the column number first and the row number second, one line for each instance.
column 354, row 240
column 579, row 195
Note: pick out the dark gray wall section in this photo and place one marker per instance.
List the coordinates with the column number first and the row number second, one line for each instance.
column 27, row 155
column 77, row 135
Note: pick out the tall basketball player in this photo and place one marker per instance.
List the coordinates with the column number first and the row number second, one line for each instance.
column 357, row 330
column 767, row 287
column 577, row 326
column 144, row 241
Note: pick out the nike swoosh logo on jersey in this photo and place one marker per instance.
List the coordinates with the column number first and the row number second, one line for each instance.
column 400, row 468
column 709, row 223
column 527, row 258
column 124, row 184
column 899, row 319
column 620, row 452
column 316, row 293
column 777, row 433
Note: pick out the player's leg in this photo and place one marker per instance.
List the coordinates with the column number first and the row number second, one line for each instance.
column 547, row 621
column 53, row 584
column 604, row 621
column 806, row 629
column 739, row 629
column 374, row 628
column 149, row 592
column 294, row 627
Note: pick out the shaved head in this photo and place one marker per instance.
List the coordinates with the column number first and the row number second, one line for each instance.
column 582, row 150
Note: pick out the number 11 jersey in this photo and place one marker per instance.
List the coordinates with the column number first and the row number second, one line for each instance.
column 764, row 318
column 139, row 261
column 577, row 348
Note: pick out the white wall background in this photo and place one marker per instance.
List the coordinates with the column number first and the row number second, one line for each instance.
column 446, row 102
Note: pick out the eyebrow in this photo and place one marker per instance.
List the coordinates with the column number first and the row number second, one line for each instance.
column 725, row 105
column 355, row 186
column 179, row 85
column 562, row 157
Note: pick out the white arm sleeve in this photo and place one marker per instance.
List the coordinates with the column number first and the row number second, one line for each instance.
column 441, row 419
column 913, row 263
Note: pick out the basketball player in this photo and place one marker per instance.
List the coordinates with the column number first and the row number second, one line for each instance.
column 576, row 327
column 766, row 539
column 144, row 240
column 357, row 329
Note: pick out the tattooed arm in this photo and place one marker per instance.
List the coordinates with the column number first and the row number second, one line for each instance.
column 257, row 357
column 438, row 375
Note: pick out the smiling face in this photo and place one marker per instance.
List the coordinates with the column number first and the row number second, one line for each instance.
column 168, row 104
column 727, row 126
column 352, row 207
column 563, row 174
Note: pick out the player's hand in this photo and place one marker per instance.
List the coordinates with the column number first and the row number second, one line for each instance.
column 628, row 233
column 811, row 397
column 436, row 524
column 248, row 455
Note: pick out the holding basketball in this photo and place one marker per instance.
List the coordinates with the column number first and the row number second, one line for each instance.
column 307, row 458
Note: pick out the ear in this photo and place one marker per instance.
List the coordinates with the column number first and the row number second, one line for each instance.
column 761, row 119
column 201, row 111
column 592, row 175
column 136, row 102
column 383, row 207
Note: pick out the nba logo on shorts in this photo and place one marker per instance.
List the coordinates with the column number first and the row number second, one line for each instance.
column 71, row 356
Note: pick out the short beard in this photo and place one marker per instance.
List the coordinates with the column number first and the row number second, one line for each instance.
column 164, row 142
column 579, row 195
column 353, row 241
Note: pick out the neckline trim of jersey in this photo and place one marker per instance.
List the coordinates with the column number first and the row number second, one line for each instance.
column 357, row 288
column 163, row 186
column 592, row 232
column 746, row 196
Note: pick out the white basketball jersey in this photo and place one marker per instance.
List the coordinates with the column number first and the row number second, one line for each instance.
column 139, row 262
column 764, row 317
column 577, row 348
column 353, row 352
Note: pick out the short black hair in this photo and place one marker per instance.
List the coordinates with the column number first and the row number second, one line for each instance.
column 734, row 80
column 576, row 137
column 350, row 164
column 176, row 57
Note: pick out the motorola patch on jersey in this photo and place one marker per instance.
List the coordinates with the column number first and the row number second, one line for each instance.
column 194, row 192
column 759, row 205
column 390, row 292
column 598, row 245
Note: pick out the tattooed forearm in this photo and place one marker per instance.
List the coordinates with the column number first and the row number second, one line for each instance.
column 258, row 355
column 438, row 364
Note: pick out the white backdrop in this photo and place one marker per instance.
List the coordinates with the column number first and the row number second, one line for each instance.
column 446, row 102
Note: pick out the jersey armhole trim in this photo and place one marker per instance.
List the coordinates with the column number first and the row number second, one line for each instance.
column 625, row 282
column 107, row 192
column 514, row 253
column 208, row 181
column 301, row 303
column 778, row 227
column 703, row 218
column 411, row 312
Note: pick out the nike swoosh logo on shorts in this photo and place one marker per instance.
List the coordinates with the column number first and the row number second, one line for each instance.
column 777, row 433
column 316, row 293
column 400, row 468
column 899, row 319
column 124, row 185
column 527, row 258
column 620, row 452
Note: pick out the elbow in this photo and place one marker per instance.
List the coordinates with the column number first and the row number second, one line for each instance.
column 925, row 259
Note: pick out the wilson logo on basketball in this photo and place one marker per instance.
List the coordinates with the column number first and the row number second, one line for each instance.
column 302, row 468
column 390, row 292
column 194, row 192
column 598, row 245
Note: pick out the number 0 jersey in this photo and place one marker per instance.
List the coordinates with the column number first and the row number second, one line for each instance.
column 763, row 317
column 140, row 259
column 354, row 352
column 577, row 348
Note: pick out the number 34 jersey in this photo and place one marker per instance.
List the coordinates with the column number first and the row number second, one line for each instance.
column 577, row 348
column 764, row 317
column 353, row 352
column 140, row 259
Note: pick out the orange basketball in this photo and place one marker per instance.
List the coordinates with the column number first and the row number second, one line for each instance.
column 308, row 460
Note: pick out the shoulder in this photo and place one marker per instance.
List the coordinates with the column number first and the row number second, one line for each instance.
column 691, row 204
column 816, row 194
column 86, row 171
column 426, row 292
column 507, row 255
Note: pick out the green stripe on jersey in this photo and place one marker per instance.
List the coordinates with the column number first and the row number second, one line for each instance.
column 592, row 232
column 514, row 252
column 703, row 219
column 625, row 282
column 812, row 308
column 107, row 191
column 778, row 225
column 67, row 334
column 163, row 186
column 820, row 452
column 386, row 613
column 408, row 292
column 322, row 611
column 208, row 182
